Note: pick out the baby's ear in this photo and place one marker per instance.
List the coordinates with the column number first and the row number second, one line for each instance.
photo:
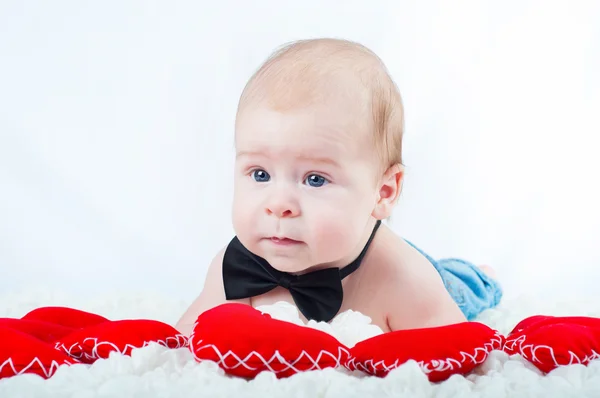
column 389, row 191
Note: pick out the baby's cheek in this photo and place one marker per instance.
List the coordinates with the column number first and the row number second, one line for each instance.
column 336, row 233
column 240, row 217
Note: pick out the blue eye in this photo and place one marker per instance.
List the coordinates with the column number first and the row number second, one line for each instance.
column 260, row 176
column 315, row 180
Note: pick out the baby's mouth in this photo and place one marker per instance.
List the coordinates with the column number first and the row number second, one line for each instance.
column 283, row 241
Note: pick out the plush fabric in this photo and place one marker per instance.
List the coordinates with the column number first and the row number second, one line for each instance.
column 156, row 371
column 244, row 342
column 285, row 349
column 439, row 351
column 21, row 353
column 549, row 342
column 45, row 331
column 49, row 337
column 65, row 316
column 262, row 343
column 98, row 341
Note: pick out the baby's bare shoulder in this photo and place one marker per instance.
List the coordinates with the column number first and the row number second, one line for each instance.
column 413, row 293
column 394, row 261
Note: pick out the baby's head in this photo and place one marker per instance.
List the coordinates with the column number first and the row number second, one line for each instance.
column 318, row 139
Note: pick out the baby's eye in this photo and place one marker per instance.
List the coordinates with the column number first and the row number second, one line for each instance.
column 260, row 176
column 315, row 180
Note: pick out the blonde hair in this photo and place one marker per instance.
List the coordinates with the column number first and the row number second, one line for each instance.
column 314, row 68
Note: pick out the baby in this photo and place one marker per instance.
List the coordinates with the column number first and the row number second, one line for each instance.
column 318, row 139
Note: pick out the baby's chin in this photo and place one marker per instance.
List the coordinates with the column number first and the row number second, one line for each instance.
column 290, row 264
column 287, row 264
column 296, row 265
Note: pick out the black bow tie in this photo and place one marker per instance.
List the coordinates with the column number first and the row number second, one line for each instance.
column 318, row 294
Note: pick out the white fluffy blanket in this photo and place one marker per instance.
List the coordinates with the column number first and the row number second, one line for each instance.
column 157, row 372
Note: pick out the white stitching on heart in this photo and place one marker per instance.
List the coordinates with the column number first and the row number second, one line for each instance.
column 47, row 372
column 529, row 352
column 435, row 365
column 276, row 358
column 340, row 359
column 179, row 339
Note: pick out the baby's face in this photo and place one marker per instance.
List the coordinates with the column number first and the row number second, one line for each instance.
column 305, row 184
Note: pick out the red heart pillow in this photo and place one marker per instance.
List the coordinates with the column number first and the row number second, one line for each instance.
column 45, row 331
column 548, row 342
column 64, row 316
column 440, row 351
column 245, row 342
column 528, row 322
column 21, row 353
column 98, row 341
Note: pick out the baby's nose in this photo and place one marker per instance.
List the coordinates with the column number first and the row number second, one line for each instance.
column 282, row 205
column 282, row 211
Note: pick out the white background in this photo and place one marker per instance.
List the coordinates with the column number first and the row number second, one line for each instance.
column 116, row 122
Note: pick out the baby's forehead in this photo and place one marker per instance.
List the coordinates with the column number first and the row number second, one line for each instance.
column 313, row 131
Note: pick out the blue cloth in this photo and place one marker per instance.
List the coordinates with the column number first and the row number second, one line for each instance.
column 473, row 290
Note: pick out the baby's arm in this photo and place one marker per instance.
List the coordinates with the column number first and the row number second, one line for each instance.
column 419, row 299
column 212, row 295
column 427, row 306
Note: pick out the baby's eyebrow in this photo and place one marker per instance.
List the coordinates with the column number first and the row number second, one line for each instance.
column 319, row 159
column 248, row 153
column 301, row 157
